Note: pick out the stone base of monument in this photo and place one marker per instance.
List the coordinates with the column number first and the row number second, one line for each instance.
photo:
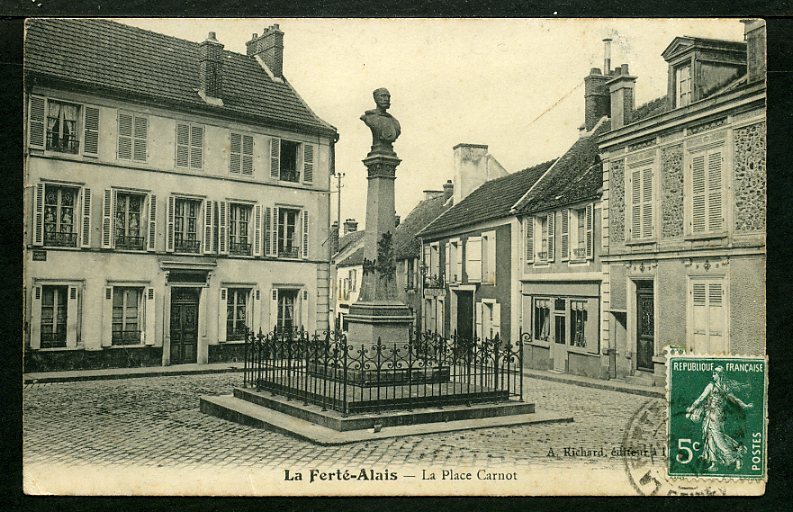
column 391, row 322
column 264, row 410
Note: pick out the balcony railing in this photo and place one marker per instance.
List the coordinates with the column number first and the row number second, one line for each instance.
column 433, row 281
column 579, row 254
column 67, row 144
column 126, row 337
column 238, row 335
column 134, row 243
column 289, row 175
column 542, row 256
column 191, row 246
column 60, row 239
column 288, row 252
column 239, row 249
column 53, row 339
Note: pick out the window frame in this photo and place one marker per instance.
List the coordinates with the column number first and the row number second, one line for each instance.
column 234, row 226
column 241, row 154
column 281, row 233
column 142, row 221
column 190, row 145
column 722, row 147
column 135, row 140
column 139, row 321
column 54, row 343
column 232, row 296
column 76, row 208
column 179, row 246
column 643, row 168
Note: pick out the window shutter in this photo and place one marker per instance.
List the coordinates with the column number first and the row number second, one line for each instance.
column 308, row 163
column 714, row 191
column 700, row 327
column 170, row 228
column 107, row 219
column 305, row 234
column 182, row 145
column 223, row 314
column 223, row 245
column 716, row 338
column 698, row 208
column 496, row 319
column 636, row 206
column 440, row 322
column 38, row 229
column 140, row 142
column 72, row 317
column 196, row 147
column 448, row 263
column 151, row 315
column 152, row 238
column 275, row 158
column 458, row 261
column 268, row 248
column 107, row 317
column 208, row 227
column 565, row 234
column 490, row 263
column 235, row 153
column 124, row 136
column 85, row 235
column 255, row 317
column 36, row 128
column 35, row 318
column 247, row 154
column 426, row 261
column 590, row 241
column 91, row 131
column 551, row 236
column 529, row 227
column 478, row 332
column 473, row 258
column 274, row 232
column 304, row 309
column 647, row 203
column 257, row 230
column 273, row 320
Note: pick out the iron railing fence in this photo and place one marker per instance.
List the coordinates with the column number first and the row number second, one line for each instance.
column 428, row 370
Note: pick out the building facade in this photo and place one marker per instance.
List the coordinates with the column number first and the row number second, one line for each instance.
column 468, row 254
column 177, row 194
column 558, row 271
column 684, row 216
column 348, row 271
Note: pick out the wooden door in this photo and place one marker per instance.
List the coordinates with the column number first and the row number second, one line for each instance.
column 645, row 325
column 184, row 325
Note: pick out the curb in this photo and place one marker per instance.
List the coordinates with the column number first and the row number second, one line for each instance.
column 124, row 375
column 595, row 384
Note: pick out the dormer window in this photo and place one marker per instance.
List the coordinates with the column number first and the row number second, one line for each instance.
column 683, row 85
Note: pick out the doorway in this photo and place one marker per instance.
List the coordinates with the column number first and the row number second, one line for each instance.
column 465, row 315
column 645, row 325
column 184, row 325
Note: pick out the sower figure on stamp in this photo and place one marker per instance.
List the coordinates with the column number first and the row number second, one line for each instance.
column 385, row 128
column 713, row 408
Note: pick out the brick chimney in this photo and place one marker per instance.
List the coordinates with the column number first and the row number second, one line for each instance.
column 596, row 93
column 430, row 194
column 210, row 67
column 754, row 32
column 448, row 190
column 334, row 237
column 270, row 48
column 350, row 225
column 621, row 88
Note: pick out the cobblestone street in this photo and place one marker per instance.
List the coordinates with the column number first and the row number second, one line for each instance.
column 155, row 421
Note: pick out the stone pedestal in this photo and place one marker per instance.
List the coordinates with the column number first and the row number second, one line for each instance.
column 378, row 312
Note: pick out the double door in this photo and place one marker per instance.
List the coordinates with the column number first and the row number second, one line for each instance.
column 184, row 325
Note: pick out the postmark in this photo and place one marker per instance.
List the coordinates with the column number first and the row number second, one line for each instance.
column 716, row 416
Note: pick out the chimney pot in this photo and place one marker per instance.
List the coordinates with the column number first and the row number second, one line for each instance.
column 350, row 225
column 270, row 48
column 624, row 69
column 607, row 54
column 448, row 190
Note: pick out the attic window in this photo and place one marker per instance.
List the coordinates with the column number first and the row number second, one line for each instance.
column 683, row 85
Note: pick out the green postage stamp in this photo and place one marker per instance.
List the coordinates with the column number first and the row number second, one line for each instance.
column 717, row 417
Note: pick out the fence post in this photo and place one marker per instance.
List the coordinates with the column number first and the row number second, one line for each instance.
column 496, row 384
column 343, row 340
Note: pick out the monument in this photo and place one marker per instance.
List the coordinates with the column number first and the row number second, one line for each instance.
column 378, row 312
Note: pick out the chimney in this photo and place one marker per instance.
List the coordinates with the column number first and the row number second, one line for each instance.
column 397, row 220
column 210, row 69
column 470, row 169
column 334, row 237
column 350, row 225
column 448, row 190
column 622, row 97
column 429, row 194
column 270, row 48
column 596, row 94
column 754, row 32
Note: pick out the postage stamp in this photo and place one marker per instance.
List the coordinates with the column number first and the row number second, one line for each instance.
column 716, row 417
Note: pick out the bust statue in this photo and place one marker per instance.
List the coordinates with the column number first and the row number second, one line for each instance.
column 385, row 128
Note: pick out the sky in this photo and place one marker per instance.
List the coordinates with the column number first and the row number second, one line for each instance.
column 515, row 85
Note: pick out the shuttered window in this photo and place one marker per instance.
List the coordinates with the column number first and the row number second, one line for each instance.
column 241, row 154
column 308, row 163
column 706, row 211
column 189, row 146
column 528, row 224
column 642, row 224
column 91, row 131
column 133, row 133
column 707, row 299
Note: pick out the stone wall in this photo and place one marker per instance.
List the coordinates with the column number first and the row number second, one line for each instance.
column 121, row 357
column 672, row 186
column 617, row 202
column 750, row 178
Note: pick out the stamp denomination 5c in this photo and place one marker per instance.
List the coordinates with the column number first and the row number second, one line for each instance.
column 716, row 417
